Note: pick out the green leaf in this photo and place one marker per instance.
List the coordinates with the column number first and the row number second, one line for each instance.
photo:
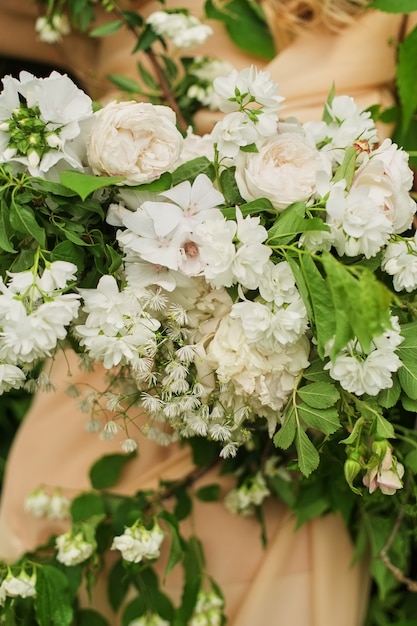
column 394, row 6
column 229, row 187
column 348, row 166
column 84, row 184
column 384, row 428
column 406, row 78
column 67, row 251
column 319, row 395
column 134, row 610
column 22, row 219
column 209, row 493
column 85, row 506
column 118, row 584
column 285, row 436
column 308, row 457
column 52, row 601
column 324, row 315
column 324, row 420
column 286, row 225
column 106, row 29
column 125, row 83
column 326, row 117
column 409, row 404
column 387, row 398
column 105, row 472
column 316, row 373
column 6, row 231
column 176, row 551
column 247, row 29
column 88, row 617
column 411, row 461
column 407, row 350
column 191, row 169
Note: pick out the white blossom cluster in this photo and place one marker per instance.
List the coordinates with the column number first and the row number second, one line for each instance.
column 208, row 610
column 73, row 547
column 138, row 542
column 51, row 29
column 21, row 586
column 43, row 123
column 182, row 29
column 34, row 316
column 40, row 504
column 243, row 499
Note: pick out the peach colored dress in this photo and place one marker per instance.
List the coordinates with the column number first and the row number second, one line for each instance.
column 303, row 577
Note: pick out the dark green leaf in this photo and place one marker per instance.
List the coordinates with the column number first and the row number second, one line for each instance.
column 191, row 169
column 285, row 435
column 117, row 585
column 88, row 617
column 406, row 78
column 52, row 602
column 22, row 219
column 324, row 420
column 209, row 493
column 105, row 472
column 85, row 506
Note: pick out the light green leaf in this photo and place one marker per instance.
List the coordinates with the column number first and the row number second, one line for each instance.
column 407, row 350
column 319, row 395
column 84, row 184
column 316, row 373
column 308, row 457
column 394, row 6
column 409, row 404
column 347, row 168
column 125, row 83
column 106, row 29
column 406, row 78
column 286, row 225
column 324, row 420
column 285, row 436
column 387, row 398
column 384, row 428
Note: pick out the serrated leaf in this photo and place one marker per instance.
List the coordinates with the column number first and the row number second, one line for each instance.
column 285, row 435
column 324, row 420
column 319, row 395
column 105, row 472
column 316, row 373
column 308, row 457
column 84, row 184
column 408, row 404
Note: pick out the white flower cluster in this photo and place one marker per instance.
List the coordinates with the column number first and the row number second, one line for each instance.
column 21, row 586
column 184, row 30
column 43, row 123
column 41, row 504
column 73, row 548
column 52, row 29
column 208, row 610
column 34, row 316
column 244, row 499
column 149, row 620
column 137, row 542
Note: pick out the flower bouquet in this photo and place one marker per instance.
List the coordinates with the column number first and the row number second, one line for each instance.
column 253, row 291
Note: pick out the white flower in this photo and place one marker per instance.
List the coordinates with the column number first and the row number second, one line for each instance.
column 243, row 499
column 51, row 114
column 137, row 543
column 11, row 377
column 37, row 503
column 51, row 29
column 185, row 31
column 284, row 170
column 277, row 283
column 73, row 548
column 22, row 586
column 233, row 132
column 399, row 259
column 358, row 223
column 251, row 83
column 56, row 276
column 361, row 373
column 138, row 141
column 59, row 506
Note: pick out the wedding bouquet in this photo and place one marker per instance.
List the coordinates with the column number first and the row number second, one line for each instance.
column 253, row 289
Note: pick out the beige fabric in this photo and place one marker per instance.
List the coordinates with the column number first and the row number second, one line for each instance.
column 302, row 578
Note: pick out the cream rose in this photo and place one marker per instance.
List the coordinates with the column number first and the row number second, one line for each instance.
column 284, row 170
column 136, row 140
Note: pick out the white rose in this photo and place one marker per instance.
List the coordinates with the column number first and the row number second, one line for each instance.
column 136, row 140
column 284, row 170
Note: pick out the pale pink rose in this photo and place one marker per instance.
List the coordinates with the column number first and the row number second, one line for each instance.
column 386, row 476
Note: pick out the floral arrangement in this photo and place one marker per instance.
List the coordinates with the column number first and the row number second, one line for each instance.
column 253, row 291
